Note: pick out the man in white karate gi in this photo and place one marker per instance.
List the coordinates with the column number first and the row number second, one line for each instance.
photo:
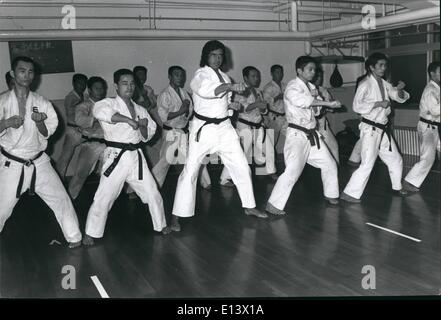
column 72, row 137
column 322, row 121
column 428, row 130
column 27, row 120
column 92, row 146
column 303, row 142
column 175, row 109
column 372, row 102
column 126, row 127
column 257, row 143
column 211, row 132
column 275, row 118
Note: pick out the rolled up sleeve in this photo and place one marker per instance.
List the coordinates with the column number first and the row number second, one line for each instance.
column 104, row 111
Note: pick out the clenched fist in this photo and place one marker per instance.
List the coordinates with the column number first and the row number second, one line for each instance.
column 235, row 106
column 143, row 122
column 400, row 85
column 14, row 122
column 238, row 87
column 38, row 116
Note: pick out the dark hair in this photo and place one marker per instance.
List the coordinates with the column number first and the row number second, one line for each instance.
column 8, row 78
column 173, row 68
column 302, row 61
column 24, row 59
column 139, row 68
column 276, row 66
column 121, row 72
column 432, row 67
column 209, row 47
column 370, row 61
column 246, row 71
column 78, row 77
column 94, row 79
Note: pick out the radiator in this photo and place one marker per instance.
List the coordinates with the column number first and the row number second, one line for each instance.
column 407, row 140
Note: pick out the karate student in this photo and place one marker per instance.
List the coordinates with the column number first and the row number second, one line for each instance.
column 146, row 97
column 322, row 121
column 92, row 134
column 126, row 126
column 257, row 144
column 27, row 120
column 210, row 132
column 303, row 144
column 175, row 109
column 372, row 102
column 275, row 118
column 428, row 130
column 72, row 136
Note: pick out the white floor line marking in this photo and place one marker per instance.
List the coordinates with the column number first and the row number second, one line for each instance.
column 394, row 232
column 99, row 286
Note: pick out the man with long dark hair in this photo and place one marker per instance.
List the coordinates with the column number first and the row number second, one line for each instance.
column 212, row 132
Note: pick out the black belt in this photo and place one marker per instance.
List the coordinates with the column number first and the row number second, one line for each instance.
column 124, row 147
column 72, row 125
column 26, row 163
column 311, row 134
column 255, row 125
column 93, row 139
column 207, row 121
column 320, row 116
column 166, row 127
column 275, row 112
column 432, row 124
column 385, row 127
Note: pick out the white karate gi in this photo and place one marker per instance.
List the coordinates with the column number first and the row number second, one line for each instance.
column 175, row 139
column 325, row 129
column 26, row 142
column 126, row 170
column 72, row 136
column 221, row 138
column 252, row 138
column 89, row 151
column 356, row 152
column 298, row 150
column 274, row 121
column 428, row 134
column 373, row 142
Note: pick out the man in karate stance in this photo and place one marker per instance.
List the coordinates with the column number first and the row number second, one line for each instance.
column 211, row 132
column 372, row 102
column 428, row 130
column 175, row 109
column 27, row 120
column 303, row 142
column 275, row 118
column 92, row 145
column 126, row 126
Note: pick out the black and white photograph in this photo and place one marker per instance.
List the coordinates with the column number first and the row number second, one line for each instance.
column 201, row 150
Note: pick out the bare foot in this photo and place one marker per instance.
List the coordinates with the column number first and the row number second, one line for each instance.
column 88, row 240
column 273, row 210
column 332, row 201
column 348, row 198
column 166, row 230
column 255, row 212
column 73, row 245
column 227, row 184
column 175, row 225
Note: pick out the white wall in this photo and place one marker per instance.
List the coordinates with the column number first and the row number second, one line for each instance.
column 104, row 57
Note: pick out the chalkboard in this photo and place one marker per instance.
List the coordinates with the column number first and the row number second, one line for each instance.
column 51, row 56
column 412, row 69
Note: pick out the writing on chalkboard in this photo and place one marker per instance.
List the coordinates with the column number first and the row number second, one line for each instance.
column 51, row 56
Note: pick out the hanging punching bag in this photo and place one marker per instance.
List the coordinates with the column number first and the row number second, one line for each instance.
column 336, row 79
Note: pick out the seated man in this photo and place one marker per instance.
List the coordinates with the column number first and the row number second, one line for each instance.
column 92, row 134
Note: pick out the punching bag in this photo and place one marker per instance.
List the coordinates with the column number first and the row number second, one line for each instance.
column 336, row 79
